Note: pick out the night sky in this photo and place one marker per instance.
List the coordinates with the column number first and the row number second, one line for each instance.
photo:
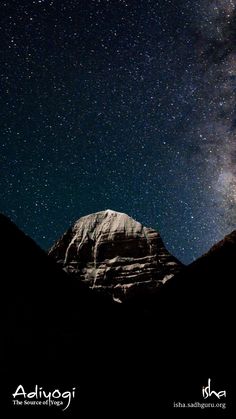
column 120, row 104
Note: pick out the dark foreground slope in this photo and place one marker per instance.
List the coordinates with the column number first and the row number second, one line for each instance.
column 200, row 316
column 126, row 359
column 52, row 323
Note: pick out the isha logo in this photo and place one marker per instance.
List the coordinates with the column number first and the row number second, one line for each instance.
column 207, row 392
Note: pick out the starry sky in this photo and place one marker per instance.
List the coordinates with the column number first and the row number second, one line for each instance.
column 120, row 104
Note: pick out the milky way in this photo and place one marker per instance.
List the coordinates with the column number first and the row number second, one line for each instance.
column 124, row 105
column 217, row 54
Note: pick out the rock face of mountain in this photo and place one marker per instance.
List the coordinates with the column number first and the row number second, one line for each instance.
column 112, row 252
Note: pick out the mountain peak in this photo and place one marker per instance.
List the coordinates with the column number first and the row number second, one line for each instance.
column 110, row 211
column 107, row 222
column 112, row 252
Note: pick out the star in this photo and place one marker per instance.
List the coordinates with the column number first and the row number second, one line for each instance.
column 126, row 105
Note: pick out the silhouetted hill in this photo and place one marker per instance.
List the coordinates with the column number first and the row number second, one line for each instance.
column 43, row 301
column 136, row 358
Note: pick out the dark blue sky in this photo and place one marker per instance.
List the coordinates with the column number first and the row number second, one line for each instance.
column 119, row 104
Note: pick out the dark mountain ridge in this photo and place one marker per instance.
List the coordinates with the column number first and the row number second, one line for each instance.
column 137, row 357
